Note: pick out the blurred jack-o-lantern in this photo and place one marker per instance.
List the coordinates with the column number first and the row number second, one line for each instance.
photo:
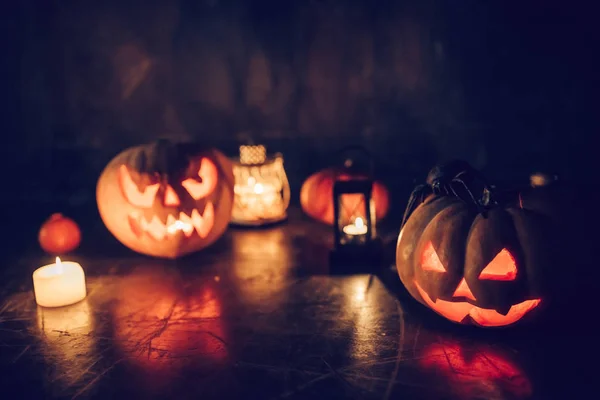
column 486, row 269
column 165, row 323
column 165, row 199
column 316, row 193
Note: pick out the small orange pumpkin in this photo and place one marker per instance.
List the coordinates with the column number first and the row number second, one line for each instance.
column 59, row 234
column 316, row 195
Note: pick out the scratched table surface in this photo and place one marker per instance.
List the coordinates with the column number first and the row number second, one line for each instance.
column 260, row 316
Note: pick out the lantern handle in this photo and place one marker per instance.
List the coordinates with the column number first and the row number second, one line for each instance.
column 345, row 155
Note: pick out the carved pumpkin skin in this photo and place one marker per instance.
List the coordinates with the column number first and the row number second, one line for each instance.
column 147, row 166
column 466, row 243
column 316, row 195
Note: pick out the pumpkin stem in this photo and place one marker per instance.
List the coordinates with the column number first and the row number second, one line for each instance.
column 164, row 158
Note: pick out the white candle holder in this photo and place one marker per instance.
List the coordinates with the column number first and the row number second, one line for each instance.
column 59, row 284
column 262, row 190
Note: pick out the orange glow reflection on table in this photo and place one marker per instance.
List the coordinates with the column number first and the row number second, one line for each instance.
column 476, row 371
column 67, row 342
column 162, row 323
column 261, row 265
column 364, row 314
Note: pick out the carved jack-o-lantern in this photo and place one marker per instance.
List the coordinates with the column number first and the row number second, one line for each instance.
column 484, row 269
column 166, row 199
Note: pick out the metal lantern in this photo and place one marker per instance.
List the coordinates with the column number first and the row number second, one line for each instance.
column 262, row 190
column 355, row 234
column 354, row 213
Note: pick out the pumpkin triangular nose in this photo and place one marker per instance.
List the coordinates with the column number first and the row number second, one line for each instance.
column 171, row 198
column 463, row 290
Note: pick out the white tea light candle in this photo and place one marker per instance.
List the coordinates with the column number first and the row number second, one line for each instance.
column 59, row 284
column 358, row 228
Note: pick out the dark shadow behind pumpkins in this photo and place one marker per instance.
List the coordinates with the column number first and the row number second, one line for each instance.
column 574, row 277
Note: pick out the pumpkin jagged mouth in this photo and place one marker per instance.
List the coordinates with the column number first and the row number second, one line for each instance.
column 459, row 310
column 174, row 225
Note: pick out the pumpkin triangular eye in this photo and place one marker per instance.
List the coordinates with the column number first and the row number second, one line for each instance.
column 208, row 175
column 131, row 192
column 430, row 260
column 502, row 268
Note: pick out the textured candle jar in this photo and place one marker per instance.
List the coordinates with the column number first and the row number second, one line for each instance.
column 59, row 284
column 262, row 191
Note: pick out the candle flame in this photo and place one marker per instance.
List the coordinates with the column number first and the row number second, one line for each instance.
column 258, row 188
column 59, row 266
column 359, row 223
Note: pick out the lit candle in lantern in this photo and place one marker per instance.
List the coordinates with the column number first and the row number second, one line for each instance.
column 356, row 245
column 267, row 193
column 261, row 188
column 59, row 284
column 357, row 228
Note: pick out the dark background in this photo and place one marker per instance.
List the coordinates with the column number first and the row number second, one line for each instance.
column 509, row 86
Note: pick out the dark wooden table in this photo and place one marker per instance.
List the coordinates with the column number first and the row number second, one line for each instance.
column 259, row 316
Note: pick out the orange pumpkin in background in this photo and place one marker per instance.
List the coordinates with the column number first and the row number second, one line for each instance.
column 59, row 234
column 316, row 195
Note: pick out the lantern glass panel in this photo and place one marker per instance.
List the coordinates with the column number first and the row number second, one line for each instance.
column 262, row 192
column 354, row 225
column 354, row 230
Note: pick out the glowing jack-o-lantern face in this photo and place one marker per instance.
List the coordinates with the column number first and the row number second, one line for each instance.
column 197, row 187
column 166, row 200
column 470, row 268
column 501, row 268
